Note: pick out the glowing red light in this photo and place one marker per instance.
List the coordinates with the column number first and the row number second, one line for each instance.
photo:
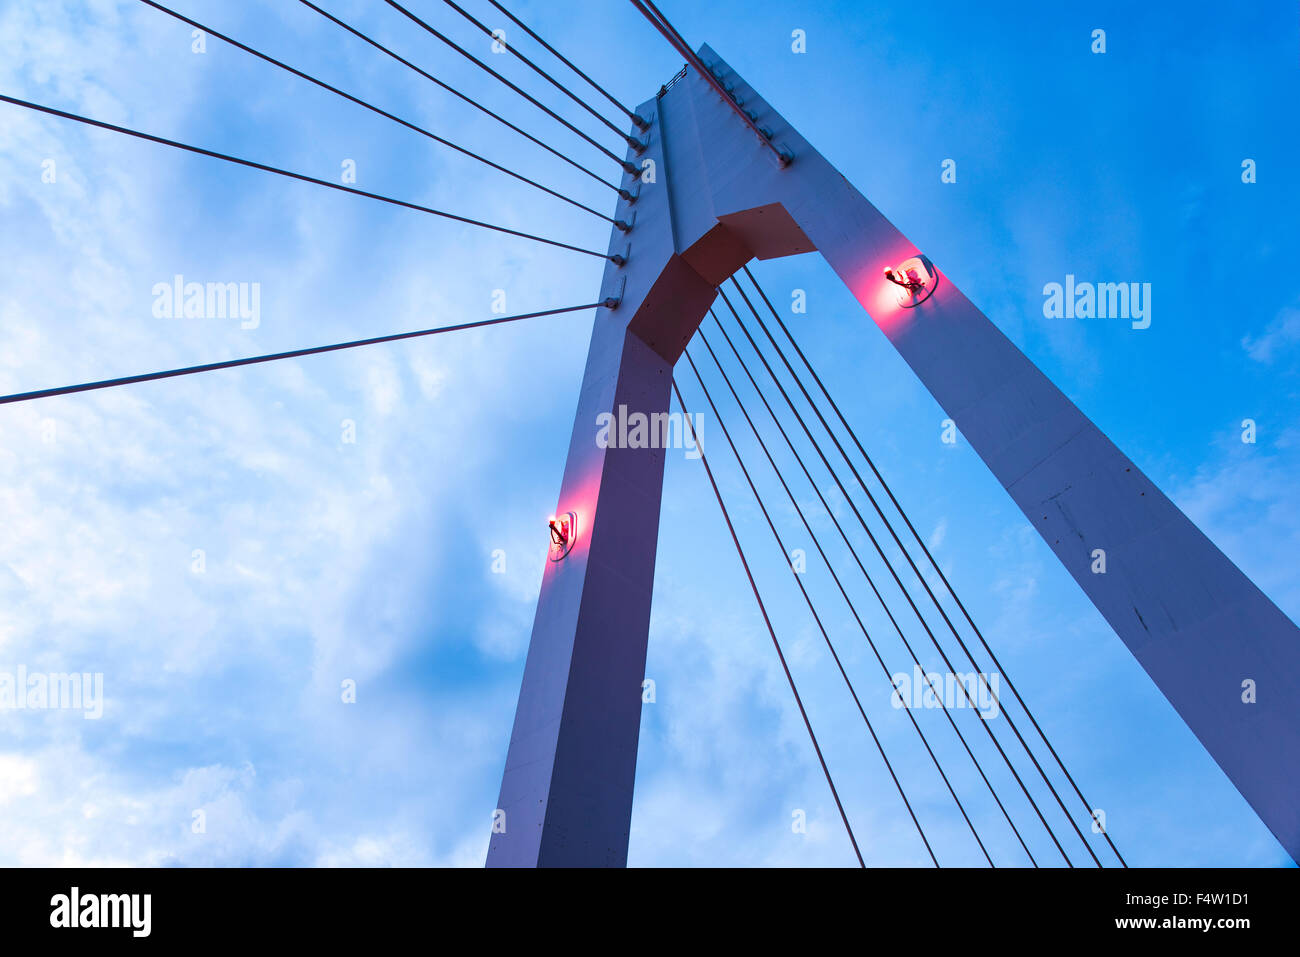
column 915, row 280
column 564, row 530
column 559, row 530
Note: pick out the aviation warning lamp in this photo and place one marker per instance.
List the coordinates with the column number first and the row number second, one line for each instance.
column 564, row 532
column 917, row 279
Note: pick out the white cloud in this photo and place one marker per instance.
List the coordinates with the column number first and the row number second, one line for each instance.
column 1278, row 336
column 323, row 560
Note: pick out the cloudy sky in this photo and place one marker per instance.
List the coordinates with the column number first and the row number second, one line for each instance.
column 228, row 558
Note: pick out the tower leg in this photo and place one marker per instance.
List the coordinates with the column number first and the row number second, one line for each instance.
column 566, row 795
column 1205, row 634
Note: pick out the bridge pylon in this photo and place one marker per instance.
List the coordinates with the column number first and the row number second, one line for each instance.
column 713, row 196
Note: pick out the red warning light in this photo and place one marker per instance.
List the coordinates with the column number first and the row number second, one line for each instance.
column 916, row 279
column 564, row 531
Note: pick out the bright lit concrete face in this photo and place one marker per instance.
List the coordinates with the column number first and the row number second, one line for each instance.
column 1197, row 625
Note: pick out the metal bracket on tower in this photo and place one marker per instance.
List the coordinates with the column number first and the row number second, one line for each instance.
column 611, row 301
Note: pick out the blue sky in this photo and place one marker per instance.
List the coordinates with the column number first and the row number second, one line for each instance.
column 328, row 560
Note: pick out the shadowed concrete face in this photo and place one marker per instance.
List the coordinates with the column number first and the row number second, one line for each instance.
column 1197, row 625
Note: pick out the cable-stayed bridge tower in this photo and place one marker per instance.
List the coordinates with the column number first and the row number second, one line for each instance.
column 727, row 192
